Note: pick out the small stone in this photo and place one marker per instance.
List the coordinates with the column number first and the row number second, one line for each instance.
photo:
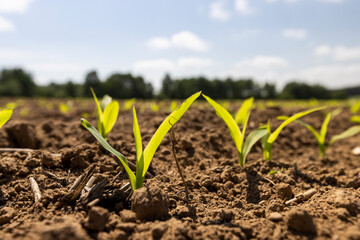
column 284, row 191
column 150, row 203
column 97, row 218
column 356, row 151
column 300, row 220
column 6, row 214
column 128, row 216
column 275, row 217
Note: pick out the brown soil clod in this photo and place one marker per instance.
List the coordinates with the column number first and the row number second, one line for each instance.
column 150, row 203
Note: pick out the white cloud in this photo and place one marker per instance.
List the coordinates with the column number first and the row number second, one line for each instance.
column 219, row 12
column 14, row 6
column 262, row 62
column 297, row 34
column 6, row 25
column 159, row 43
column 338, row 53
column 182, row 40
column 332, row 75
column 242, row 6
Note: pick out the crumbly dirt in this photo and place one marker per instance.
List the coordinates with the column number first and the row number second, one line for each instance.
column 224, row 201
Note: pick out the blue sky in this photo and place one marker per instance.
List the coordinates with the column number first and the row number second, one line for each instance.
column 317, row 41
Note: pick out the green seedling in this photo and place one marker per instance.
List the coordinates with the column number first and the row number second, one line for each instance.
column 276, row 171
column 129, row 103
column 154, row 107
column 5, row 115
column 355, row 119
column 143, row 158
column 241, row 115
column 107, row 113
column 238, row 136
column 269, row 139
column 173, row 105
column 355, row 107
column 321, row 136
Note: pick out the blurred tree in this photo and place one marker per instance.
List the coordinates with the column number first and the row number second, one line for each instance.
column 16, row 82
column 92, row 81
column 166, row 86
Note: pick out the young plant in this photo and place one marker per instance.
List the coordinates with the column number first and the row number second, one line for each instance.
column 5, row 116
column 320, row 136
column 107, row 113
column 143, row 158
column 238, row 136
column 269, row 139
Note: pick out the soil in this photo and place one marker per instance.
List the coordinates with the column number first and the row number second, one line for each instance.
column 224, row 200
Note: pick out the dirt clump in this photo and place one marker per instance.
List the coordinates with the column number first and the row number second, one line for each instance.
column 150, row 203
column 300, row 220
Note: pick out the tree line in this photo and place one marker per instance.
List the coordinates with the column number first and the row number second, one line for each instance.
column 17, row 82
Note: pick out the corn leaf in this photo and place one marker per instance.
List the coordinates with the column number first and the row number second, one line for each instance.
column 5, row 116
column 347, row 133
column 276, row 133
column 253, row 137
column 110, row 116
column 139, row 151
column 105, row 101
column 164, row 128
column 241, row 115
column 100, row 113
column 229, row 121
column 319, row 139
column 355, row 119
column 324, row 126
column 107, row 146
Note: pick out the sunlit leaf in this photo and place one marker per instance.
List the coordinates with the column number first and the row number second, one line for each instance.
column 139, row 151
column 229, row 121
column 253, row 137
column 276, row 133
column 110, row 116
column 347, row 133
column 107, row 146
column 240, row 116
column 5, row 116
column 164, row 128
column 105, row 101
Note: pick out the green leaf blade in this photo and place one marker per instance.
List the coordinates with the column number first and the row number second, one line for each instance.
column 347, row 133
column 107, row 146
column 110, row 116
column 139, row 151
column 276, row 133
column 250, row 141
column 164, row 128
column 5, row 116
column 229, row 121
column 241, row 115
column 324, row 126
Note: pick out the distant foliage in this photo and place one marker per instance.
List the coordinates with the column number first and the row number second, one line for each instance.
column 16, row 82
